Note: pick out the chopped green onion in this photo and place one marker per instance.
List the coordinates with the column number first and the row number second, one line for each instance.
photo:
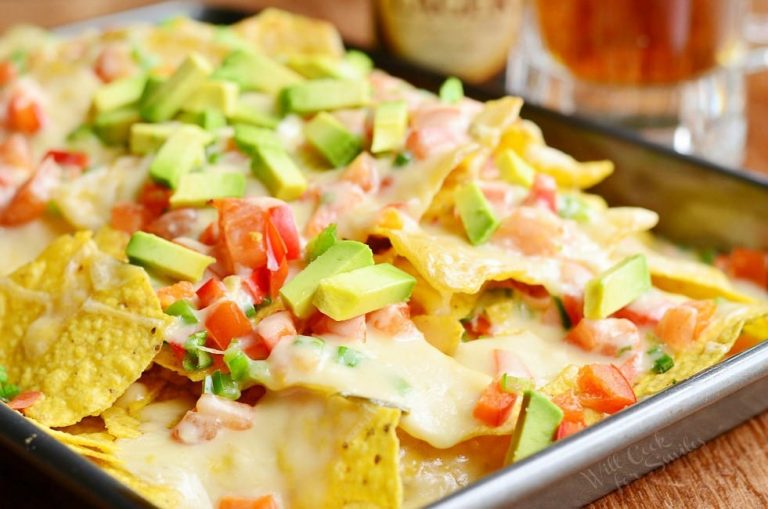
column 243, row 369
column 623, row 350
column 309, row 341
column 402, row 159
column 221, row 384
column 196, row 359
column 573, row 207
column 707, row 256
column 451, row 91
column 184, row 310
column 655, row 350
column 250, row 311
column 564, row 318
column 8, row 391
column 514, row 384
column 348, row 356
column 663, row 364
column 320, row 244
column 3, row 375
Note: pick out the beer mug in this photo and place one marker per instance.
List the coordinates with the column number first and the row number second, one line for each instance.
column 672, row 69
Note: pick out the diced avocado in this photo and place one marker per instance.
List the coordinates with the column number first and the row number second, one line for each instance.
column 146, row 138
column 332, row 139
column 113, row 127
column 451, row 91
column 182, row 152
column 119, row 93
column 353, row 65
column 616, row 287
column 153, row 83
column 322, row 242
column 360, row 291
column 326, row 94
column 249, row 114
column 514, row 169
column 167, row 258
column 213, row 95
column 476, row 213
column 248, row 138
column 210, row 120
column 195, row 189
column 253, row 71
column 276, row 170
column 389, row 125
column 536, row 426
column 169, row 97
column 342, row 257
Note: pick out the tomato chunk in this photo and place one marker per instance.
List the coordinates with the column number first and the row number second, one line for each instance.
column 494, row 406
column 31, row 199
column 265, row 502
column 241, row 234
column 749, row 264
column 128, row 217
column 25, row 400
column 210, row 292
column 568, row 428
column 226, row 322
column 69, row 158
column 543, row 193
column 282, row 219
column 24, row 115
column 678, row 327
column 608, row 336
column 170, row 294
column 603, row 388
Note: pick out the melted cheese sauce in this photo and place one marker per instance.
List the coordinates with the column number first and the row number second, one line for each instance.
column 22, row 244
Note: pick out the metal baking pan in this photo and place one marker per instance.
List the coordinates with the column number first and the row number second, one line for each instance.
column 700, row 204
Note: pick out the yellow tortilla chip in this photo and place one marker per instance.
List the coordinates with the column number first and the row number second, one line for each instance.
column 711, row 346
column 442, row 332
column 495, row 118
column 160, row 495
column 451, row 265
column 365, row 471
column 567, row 171
column 281, row 33
column 120, row 424
column 78, row 326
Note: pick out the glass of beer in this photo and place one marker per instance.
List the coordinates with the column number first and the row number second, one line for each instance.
column 672, row 69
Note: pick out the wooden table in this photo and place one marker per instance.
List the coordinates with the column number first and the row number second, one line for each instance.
column 730, row 471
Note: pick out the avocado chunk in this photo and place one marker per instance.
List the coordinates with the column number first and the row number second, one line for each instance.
column 326, row 94
column 254, row 71
column 246, row 113
column 616, row 287
column 147, row 138
column 169, row 97
column 353, row 65
column 476, row 214
column 113, row 127
column 514, row 169
column 322, row 242
column 182, row 152
column 119, row 93
column 332, row 139
column 360, row 291
column 451, row 91
column 213, row 95
column 343, row 256
column 165, row 257
column 389, row 126
column 536, row 426
column 195, row 189
column 210, row 120
column 248, row 138
column 276, row 170
column 153, row 83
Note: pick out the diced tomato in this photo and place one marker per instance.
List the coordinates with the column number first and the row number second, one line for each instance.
column 24, row 114
column 210, row 235
column 603, row 388
column 282, row 219
column 277, row 279
column 211, row 291
column 178, row 350
column 25, row 400
column 195, row 428
column 241, row 234
column 639, row 319
column 15, row 151
column 435, row 129
column 478, row 326
column 632, row 367
column 233, row 415
column 749, row 264
column 571, row 406
column 508, row 362
column 276, row 250
column 177, row 291
column 265, row 502
column 69, row 158
column 226, row 322
column 31, row 199
column 706, row 309
column 568, row 428
column 155, row 197
column 494, row 406
column 543, row 193
column 8, row 72
column 335, row 200
column 112, row 63
column 257, row 284
column 351, row 329
column 128, row 217
column 275, row 327
column 574, row 308
column 174, row 223
column 532, row 231
column 607, row 336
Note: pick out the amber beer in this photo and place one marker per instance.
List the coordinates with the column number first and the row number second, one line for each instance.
column 639, row 42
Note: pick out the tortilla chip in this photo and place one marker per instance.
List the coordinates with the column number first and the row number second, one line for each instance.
column 450, row 265
column 365, row 470
column 160, row 495
column 112, row 242
column 120, row 424
column 495, row 118
column 567, row 171
column 168, row 359
column 690, row 278
column 442, row 332
column 712, row 346
column 78, row 326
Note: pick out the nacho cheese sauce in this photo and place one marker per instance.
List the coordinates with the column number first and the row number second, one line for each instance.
column 420, row 394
